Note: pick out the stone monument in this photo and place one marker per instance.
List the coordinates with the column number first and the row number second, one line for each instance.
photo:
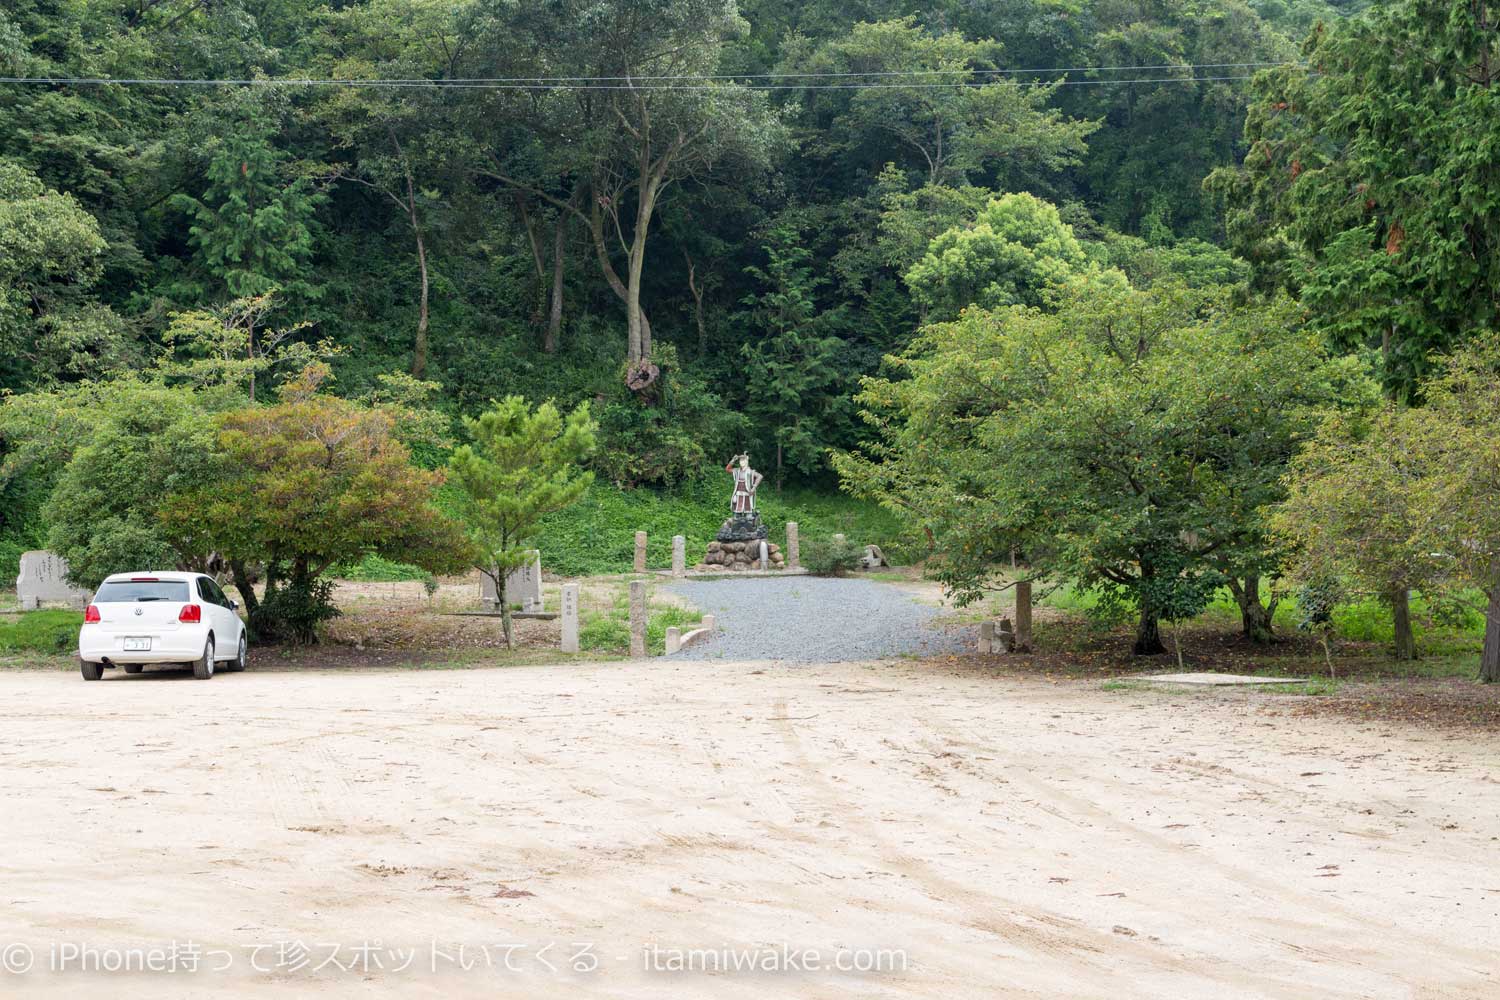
column 44, row 580
column 570, row 618
column 741, row 543
column 523, row 586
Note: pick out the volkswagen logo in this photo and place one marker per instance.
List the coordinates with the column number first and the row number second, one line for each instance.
column 137, row 610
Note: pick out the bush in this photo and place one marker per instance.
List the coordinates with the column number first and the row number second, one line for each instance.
column 666, row 434
column 293, row 611
column 50, row 631
column 831, row 557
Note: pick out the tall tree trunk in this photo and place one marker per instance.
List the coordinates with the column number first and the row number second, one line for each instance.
column 1405, row 642
column 611, row 276
column 1255, row 617
column 554, row 316
column 697, row 292
column 246, row 590
column 1148, row 633
column 505, row 624
column 1489, row 660
column 419, row 348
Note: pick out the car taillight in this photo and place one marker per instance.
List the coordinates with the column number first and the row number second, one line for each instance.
column 91, row 616
column 190, row 613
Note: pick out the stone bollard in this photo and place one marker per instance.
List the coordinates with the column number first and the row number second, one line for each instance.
column 1023, row 617
column 793, row 551
column 674, row 639
column 1006, row 637
column 986, row 637
column 679, row 555
column 709, row 622
column 637, row 618
column 570, row 618
column 640, row 552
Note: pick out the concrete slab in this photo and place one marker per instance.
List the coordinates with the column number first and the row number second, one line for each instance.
column 1219, row 680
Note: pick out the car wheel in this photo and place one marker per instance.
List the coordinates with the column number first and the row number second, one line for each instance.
column 90, row 671
column 242, row 658
column 133, row 668
column 203, row 668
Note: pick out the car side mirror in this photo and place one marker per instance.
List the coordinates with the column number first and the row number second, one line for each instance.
column 234, row 605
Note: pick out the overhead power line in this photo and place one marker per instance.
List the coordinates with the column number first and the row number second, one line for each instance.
column 546, row 84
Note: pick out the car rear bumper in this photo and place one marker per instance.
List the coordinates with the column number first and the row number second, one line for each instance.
column 182, row 644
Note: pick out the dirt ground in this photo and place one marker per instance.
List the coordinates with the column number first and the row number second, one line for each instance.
column 1001, row 837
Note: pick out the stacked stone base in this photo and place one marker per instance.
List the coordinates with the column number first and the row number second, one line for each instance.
column 740, row 556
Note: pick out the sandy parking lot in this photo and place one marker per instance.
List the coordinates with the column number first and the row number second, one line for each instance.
column 1012, row 838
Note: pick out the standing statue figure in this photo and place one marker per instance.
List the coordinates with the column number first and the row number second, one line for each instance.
column 746, row 482
column 744, row 523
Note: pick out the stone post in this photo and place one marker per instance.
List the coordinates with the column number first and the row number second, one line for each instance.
column 570, row 618
column 674, row 639
column 637, row 618
column 640, row 552
column 1023, row 617
column 679, row 555
column 709, row 622
column 986, row 637
column 793, row 551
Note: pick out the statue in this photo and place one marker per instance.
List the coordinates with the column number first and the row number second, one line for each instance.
column 744, row 522
column 746, row 482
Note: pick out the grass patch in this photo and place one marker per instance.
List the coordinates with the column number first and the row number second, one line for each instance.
column 597, row 536
column 375, row 569
column 608, row 631
column 50, row 631
column 1312, row 687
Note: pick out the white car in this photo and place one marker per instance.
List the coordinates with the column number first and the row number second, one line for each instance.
column 141, row 618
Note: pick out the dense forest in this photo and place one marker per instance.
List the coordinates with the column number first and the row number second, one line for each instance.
column 991, row 265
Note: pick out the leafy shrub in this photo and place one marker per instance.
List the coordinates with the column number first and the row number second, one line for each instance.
column 293, row 611
column 830, row 557
column 49, row 631
column 666, row 434
column 10, row 561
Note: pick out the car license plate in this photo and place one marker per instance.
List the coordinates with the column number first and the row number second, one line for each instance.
column 137, row 645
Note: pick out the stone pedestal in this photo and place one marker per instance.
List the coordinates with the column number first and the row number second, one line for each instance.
column 741, row 556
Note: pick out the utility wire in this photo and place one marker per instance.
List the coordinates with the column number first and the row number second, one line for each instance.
column 539, row 84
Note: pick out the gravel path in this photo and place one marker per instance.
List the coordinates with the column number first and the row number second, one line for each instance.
column 812, row 620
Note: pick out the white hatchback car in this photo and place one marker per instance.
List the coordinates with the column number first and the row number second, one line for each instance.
column 141, row 618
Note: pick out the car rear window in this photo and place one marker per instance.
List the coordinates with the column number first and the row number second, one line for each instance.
column 125, row 591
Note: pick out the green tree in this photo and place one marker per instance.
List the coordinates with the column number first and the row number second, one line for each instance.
column 49, row 256
column 1403, row 498
column 936, row 107
column 1017, row 251
column 792, row 378
column 1125, row 443
column 311, row 482
column 633, row 140
column 104, row 513
column 1380, row 169
column 522, row 466
column 252, row 227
